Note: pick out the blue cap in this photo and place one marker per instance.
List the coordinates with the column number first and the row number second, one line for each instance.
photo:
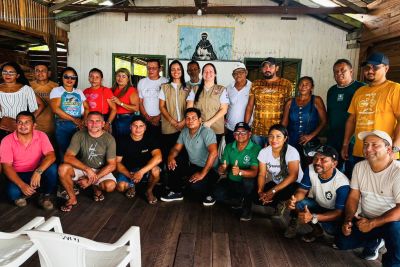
column 376, row 58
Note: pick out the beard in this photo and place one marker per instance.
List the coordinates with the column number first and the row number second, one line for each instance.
column 269, row 75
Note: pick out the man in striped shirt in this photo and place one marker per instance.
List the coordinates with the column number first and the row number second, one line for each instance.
column 375, row 185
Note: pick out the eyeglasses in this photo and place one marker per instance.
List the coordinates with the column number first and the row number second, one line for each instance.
column 67, row 77
column 11, row 73
column 372, row 67
column 240, row 133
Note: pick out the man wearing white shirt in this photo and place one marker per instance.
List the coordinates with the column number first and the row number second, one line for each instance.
column 149, row 89
column 238, row 95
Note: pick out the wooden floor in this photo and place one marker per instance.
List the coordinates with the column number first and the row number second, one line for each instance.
column 186, row 233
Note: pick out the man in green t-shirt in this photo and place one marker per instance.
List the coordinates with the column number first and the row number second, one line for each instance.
column 338, row 101
column 89, row 161
column 241, row 163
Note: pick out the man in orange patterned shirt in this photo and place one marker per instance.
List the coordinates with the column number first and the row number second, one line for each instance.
column 267, row 99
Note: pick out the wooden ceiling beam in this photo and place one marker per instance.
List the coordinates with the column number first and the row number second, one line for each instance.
column 20, row 36
column 59, row 6
column 356, row 8
column 212, row 9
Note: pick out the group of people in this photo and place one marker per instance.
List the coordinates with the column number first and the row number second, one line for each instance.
column 108, row 139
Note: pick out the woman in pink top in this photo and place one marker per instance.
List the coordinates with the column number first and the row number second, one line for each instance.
column 99, row 98
column 127, row 100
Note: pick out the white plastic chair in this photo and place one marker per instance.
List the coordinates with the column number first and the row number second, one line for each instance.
column 64, row 250
column 16, row 248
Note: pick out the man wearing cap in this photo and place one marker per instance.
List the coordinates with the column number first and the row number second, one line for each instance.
column 338, row 101
column 375, row 188
column 374, row 106
column 238, row 95
column 267, row 98
column 138, row 156
column 321, row 197
column 240, row 160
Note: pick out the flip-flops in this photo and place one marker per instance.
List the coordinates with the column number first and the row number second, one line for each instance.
column 98, row 197
column 151, row 199
column 68, row 207
column 130, row 193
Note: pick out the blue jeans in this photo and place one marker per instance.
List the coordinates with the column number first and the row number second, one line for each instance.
column 64, row 132
column 48, row 182
column 123, row 178
column 260, row 140
column 332, row 228
column 390, row 232
column 228, row 190
column 121, row 124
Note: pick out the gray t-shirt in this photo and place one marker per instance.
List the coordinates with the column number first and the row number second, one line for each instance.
column 197, row 146
column 93, row 152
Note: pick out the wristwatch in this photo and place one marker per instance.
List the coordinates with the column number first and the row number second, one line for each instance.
column 39, row 171
column 273, row 191
column 122, row 104
column 314, row 219
column 395, row 149
column 240, row 173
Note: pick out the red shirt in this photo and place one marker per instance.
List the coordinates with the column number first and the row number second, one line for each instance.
column 125, row 99
column 97, row 99
column 25, row 158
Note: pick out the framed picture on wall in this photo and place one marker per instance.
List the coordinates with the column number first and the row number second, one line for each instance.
column 205, row 43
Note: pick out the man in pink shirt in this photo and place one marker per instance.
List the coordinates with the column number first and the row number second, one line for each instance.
column 27, row 158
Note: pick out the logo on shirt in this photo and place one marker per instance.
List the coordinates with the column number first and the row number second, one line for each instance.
column 144, row 151
column 328, row 195
column 340, row 97
column 246, row 159
column 93, row 153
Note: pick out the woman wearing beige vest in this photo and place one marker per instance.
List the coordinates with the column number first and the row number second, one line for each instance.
column 211, row 99
column 172, row 106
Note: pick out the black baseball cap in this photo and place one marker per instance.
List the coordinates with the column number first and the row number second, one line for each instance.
column 327, row 151
column 376, row 58
column 138, row 118
column 269, row 60
column 242, row 125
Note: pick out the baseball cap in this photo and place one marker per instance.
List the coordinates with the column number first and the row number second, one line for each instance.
column 242, row 125
column 269, row 60
column 327, row 151
column 239, row 65
column 138, row 118
column 376, row 58
column 380, row 134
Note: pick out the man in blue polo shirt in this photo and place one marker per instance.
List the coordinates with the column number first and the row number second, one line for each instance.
column 327, row 190
column 200, row 143
column 240, row 160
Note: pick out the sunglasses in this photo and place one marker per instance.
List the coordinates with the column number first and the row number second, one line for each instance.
column 11, row 73
column 67, row 77
column 371, row 67
column 240, row 133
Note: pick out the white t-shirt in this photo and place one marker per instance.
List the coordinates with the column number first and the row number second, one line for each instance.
column 223, row 98
column 71, row 102
column 273, row 164
column 237, row 104
column 380, row 191
column 149, row 91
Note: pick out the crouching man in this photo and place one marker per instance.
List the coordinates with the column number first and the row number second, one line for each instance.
column 27, row 158
column 375, row 188
column 138, row 156
column 89, row 160
column 327, row 190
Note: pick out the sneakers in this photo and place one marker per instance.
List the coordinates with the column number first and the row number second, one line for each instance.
column 316, row 232
column 209, row 201
column 371, row 254
column 20, row 202
column 279, row 209
column 45, row 202
column 291, row 230
column 246, row 215
column 172, row 196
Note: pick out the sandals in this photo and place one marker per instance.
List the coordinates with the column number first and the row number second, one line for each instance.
column 151, row 199
column 67, row 207
column 98, row 197
column 130, row 193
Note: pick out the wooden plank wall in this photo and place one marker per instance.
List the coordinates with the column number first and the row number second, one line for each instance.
column 381, row 32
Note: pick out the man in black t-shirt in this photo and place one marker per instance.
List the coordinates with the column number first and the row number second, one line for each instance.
column 138, row 156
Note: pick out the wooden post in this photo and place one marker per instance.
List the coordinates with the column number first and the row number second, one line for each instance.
column 22, row 13
column 53, row 46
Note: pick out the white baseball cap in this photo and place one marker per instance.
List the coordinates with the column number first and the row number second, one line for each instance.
column 239, row 65
column 380, row 134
